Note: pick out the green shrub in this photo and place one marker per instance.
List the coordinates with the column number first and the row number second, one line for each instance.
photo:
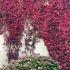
column 34, row 63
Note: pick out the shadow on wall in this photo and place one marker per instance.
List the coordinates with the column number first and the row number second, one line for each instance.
column 40, row 49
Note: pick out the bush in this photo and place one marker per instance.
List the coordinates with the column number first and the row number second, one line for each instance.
column 34, row 63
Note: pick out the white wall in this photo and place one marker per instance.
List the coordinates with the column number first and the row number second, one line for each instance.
column 3, row 52
column 40, row 49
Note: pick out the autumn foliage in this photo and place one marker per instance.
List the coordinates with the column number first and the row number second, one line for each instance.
column 51, row 19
